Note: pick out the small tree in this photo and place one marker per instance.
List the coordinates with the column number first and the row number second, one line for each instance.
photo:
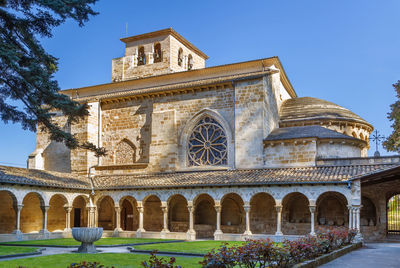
column 392, row 143
column 27, row 71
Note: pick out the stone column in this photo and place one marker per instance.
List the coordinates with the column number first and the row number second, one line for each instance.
column 218, row 232
column 96, row 216
column 312, row 211
column 117, row 221
column 44, row 230
column 18, row 229
column 191, row 233
column 358, row 209
column 247, row 211
column 91, row 217
column 278, row 219
column 354, row 220
column 350, row 217
column 164, row 208
column 141, row 211
column 67, row 219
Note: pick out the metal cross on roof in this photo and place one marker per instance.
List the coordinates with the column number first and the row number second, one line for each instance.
column 377, row 138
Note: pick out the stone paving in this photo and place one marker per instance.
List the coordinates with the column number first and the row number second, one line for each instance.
column 381, row 255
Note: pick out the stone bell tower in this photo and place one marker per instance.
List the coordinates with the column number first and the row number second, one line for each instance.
column 156, row 53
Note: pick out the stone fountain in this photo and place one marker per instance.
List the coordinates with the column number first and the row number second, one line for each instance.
column 87, row 236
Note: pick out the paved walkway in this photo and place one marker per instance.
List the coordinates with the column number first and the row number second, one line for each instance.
column 373, row 255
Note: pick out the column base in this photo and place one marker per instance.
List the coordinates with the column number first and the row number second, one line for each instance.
column 278, row 233
column 163, row 233
column 248, row 233
column 191, row 235
column 312, row 233
column 17, row 232
column 139, row 232
column 68, row 230
column 45, row 233
column 218, row 235
column 116, row 232
column 358, row 238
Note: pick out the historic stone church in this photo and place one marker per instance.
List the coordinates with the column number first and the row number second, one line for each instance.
column 224, row 152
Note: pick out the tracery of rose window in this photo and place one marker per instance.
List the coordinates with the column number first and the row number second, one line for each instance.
column 207, row 144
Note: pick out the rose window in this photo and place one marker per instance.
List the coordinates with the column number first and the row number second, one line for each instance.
column 207, row 144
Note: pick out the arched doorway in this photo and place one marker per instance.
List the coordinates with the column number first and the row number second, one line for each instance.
column 296, row 216
column 178, row 214
column 153, row 215
column 262, row 214
column 368, row 212
column 32, row 213
column 129, row 214
column 106, row 210
column 79, row 212
column 56, row 215
column 332, row 210
column 8, row 215
column 393, row 215
column 232, row 214
column 205, row 216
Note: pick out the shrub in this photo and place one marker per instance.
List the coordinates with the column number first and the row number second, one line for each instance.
column 264, row 253
column 155, row 262
column 85, row 264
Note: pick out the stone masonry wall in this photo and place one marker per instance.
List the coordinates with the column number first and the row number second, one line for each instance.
column 250, row 117
column 290, row 154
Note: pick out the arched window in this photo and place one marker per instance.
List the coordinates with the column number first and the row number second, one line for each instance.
column 190, row 62
column 125, row 153
column 207, row 144
column 180, row 57
column 141, row 56
column 157, row 53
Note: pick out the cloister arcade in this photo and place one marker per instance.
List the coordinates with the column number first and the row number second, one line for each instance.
column 229, row 215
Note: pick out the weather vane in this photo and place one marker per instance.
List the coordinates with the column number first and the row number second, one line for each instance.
column 377, row 138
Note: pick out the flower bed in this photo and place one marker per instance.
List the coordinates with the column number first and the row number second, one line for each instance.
column 264, row 253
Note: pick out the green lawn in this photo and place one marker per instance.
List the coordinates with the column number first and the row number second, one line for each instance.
column 4, row 250
column 72, row 242
column 118, row 260
column 189, row 247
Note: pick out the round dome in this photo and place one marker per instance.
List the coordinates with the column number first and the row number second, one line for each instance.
column 307, row 108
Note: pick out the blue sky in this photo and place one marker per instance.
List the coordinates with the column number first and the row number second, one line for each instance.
column 346, row 52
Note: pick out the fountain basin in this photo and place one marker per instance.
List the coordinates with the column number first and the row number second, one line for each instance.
column 87, row 236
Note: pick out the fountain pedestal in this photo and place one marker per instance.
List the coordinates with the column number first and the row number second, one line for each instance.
column 87, row 236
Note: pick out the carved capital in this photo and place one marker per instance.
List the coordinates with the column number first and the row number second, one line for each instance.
column 218, row 208
column 278, row 208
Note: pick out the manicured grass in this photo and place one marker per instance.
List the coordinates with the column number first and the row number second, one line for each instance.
column 72, row 242
column 4, row 250
column 189, row 247
column 118, row 260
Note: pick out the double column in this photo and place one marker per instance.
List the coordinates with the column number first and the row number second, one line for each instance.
column 246, row 208
column 278, row 208
column 117, row 221
column 140, row 209
column 218, row 232
column 68, row 210
column 191, row 233
column 44, row 230
column 354, row 217
column 165, row 230
column 18, row 227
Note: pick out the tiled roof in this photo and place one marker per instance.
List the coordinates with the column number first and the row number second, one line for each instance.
column 42, row 178
column 307, row 108
column 305, row 132
column 320, row 174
